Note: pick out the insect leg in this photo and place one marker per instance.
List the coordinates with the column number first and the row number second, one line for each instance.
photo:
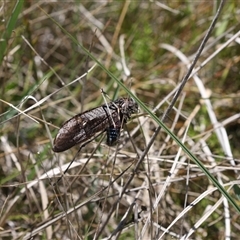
column 104, row 93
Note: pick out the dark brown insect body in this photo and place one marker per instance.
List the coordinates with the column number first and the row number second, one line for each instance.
column 84, row 126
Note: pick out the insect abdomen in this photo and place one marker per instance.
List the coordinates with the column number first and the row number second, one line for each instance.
column 113, row 135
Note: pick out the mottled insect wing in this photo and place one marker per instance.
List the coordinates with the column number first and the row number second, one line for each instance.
column 71, row 133
column 82, row 128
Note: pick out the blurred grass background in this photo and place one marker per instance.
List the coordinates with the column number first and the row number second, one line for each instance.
column 38, row 59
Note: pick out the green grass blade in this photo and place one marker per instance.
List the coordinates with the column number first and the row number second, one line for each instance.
column 9, row 28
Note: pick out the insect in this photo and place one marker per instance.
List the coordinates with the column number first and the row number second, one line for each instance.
column 83, row 127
